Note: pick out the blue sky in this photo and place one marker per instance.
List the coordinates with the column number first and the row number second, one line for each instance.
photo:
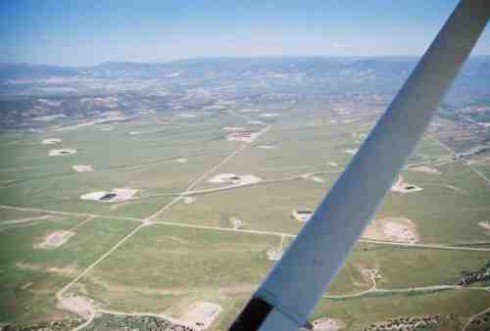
column 87, row 32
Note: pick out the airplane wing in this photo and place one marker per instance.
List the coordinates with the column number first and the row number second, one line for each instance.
column 290, row 292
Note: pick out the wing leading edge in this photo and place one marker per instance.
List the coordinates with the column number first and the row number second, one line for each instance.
column 292, row 289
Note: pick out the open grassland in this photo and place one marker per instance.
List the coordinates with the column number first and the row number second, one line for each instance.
column 448, row 209
column 160, row 164
column 405, row 267
column 360, row 312
column 196, row 250
column 9, row 215
column 261, row 207
column 289, row 148
column 30, row 277
column 186, row 265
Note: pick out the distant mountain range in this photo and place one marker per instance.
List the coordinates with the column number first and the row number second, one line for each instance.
column 35, row 96
column 309, row 65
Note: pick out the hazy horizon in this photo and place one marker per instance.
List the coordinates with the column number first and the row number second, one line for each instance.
column 205, row 58
column 85, row 34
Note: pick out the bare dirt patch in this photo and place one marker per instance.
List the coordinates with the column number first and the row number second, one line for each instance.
column 51, row 141
column 427, row 170
column 249, row 110
column 479, row 160
column 327, row 324
column 485, row 225
column 200, row 314
column 403, row 187
column 69, row 270
column 393, row 229
column 78, row 305
column 235, row 223
column 351, row 151
column 234, row 179
column 254, row 122
column 269, row 115
column 246, row 137
column 266, row 146
column 189, row 200
column 359, row 136
column 115, row 195
column 274, row 254
column 83, row 168
column 187, row 115
column 28, row 266
column 456, row 189
column 302, row 215
column 370, row 275
column 62, row 152
column 316, row 179
column 233, row 128
column 54, row 240
column 106, row 128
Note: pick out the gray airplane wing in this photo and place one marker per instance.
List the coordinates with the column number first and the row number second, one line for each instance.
column 289, row 294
